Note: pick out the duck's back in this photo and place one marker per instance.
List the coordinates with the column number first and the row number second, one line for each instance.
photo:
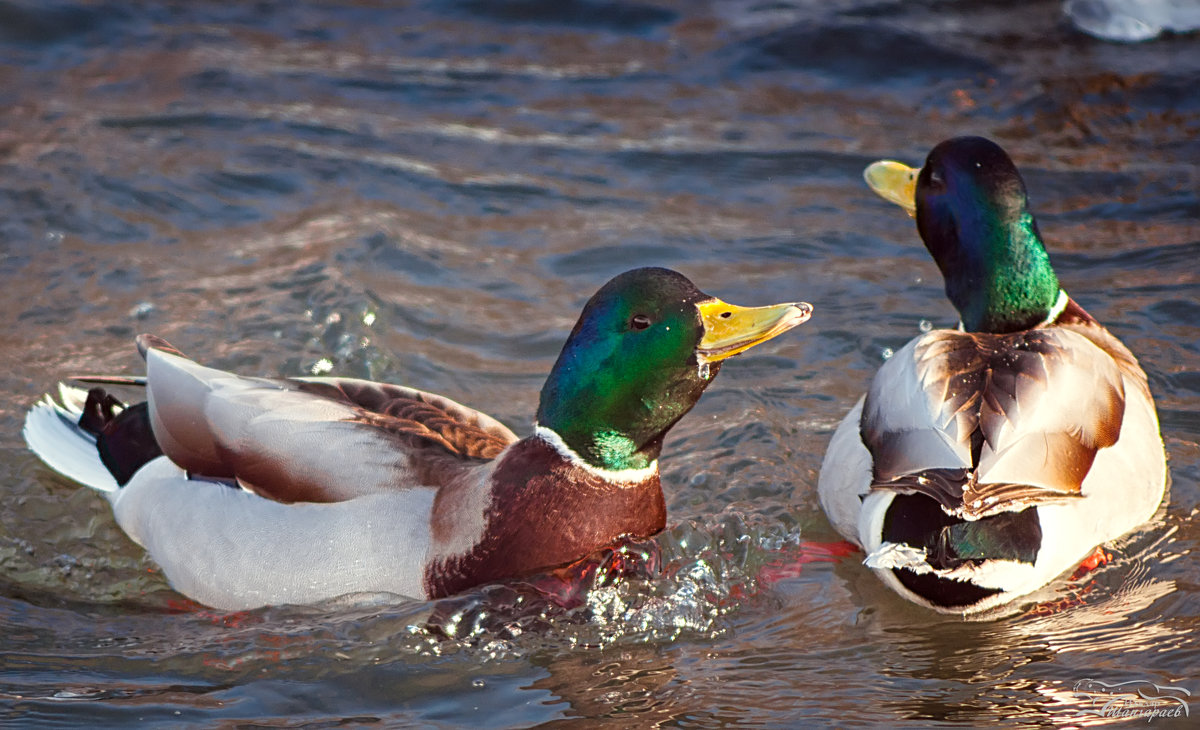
column 312, row 440
column 1018, row 418
column 1001, row 459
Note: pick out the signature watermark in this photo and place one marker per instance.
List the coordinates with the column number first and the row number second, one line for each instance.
column 1136, row 699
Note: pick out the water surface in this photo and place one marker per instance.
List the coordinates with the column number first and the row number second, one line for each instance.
column 426, row 193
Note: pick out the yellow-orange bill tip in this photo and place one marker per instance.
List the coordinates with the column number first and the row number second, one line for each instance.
column 730, row 329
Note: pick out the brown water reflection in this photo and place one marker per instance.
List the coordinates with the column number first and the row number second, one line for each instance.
column 427, row 193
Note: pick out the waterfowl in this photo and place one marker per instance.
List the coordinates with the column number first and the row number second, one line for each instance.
column 985, row 461
column 258, row 491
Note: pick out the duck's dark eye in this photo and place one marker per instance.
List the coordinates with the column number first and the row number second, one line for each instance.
column 639, row 322
column 936, row 179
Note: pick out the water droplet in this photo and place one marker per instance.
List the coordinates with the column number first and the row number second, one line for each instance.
column 702, row 370
column 925, row 325
column 368, row 318
column 887, row 353
column 141, row 310
column 322, row 366
column 478, row 683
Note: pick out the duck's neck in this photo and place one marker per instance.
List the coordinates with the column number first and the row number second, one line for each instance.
column 642, row 469
column 997, row 273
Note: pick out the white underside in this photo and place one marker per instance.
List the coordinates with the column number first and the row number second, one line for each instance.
column 230, row 549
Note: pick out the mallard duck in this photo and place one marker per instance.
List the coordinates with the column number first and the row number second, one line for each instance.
column 985, row 461
column 259, row 491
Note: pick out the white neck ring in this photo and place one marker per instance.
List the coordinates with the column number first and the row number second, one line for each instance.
column 622, row 476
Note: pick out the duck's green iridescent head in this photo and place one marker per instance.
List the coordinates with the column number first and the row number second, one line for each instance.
column 643, row 351
column 973, row 215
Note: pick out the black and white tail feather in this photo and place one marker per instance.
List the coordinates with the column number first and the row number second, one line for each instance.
column 53, row 432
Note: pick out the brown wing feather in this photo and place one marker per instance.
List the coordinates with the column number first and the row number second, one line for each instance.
column 1076, row 319
column 414, row 414
column 427, row 422
column 312, row 440
column 1028, row 407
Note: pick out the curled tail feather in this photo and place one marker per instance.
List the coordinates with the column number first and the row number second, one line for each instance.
column 123, row 434
column 52, row 431
column 91, row 437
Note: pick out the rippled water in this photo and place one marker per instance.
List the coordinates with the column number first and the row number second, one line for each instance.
column 427, row 193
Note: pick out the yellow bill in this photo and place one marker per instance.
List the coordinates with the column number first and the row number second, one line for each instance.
column 730, row 329
column 895, row 182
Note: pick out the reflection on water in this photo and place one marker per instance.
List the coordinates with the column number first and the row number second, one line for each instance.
column 426, row 193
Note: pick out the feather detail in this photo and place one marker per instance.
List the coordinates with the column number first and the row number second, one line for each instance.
column 960, row 495
column 411, row 413
column 283, row 439
column 987, row 430
column 138, row 381
column 894, row 555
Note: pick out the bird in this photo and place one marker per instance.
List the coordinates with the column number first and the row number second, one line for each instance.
column 254, row 491
column 985, row 461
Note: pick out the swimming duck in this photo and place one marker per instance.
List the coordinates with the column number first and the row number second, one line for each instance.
column 985, row 461
column 258, row 491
